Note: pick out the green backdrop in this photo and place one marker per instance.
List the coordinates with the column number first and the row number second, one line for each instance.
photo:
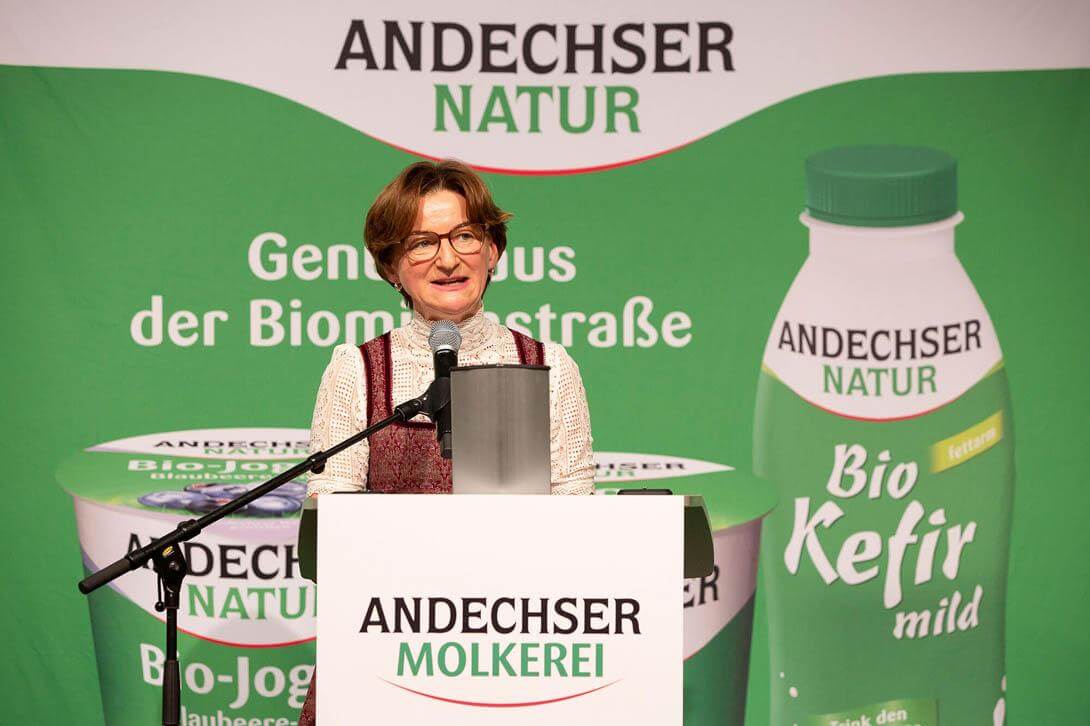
column 116, row 186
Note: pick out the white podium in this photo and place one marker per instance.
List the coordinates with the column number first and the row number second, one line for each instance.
column 505, row 610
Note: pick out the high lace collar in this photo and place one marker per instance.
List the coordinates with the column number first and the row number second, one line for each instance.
column 476, row 331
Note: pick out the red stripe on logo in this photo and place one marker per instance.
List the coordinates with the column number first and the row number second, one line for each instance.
column 483, row 704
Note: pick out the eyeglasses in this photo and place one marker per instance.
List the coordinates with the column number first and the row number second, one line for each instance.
column 466, row 239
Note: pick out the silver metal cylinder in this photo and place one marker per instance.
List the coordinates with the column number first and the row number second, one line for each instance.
column 500, row 429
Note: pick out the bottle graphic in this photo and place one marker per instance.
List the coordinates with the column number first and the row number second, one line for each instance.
column 883, row 419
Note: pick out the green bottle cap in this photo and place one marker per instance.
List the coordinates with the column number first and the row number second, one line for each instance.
column 881, row 186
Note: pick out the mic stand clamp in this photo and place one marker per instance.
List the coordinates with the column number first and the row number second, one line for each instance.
column 170, row 568
column 430, row 403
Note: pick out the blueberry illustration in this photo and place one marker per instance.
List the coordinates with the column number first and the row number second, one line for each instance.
column 204, row 504
column 222, row 492
column 171, row 499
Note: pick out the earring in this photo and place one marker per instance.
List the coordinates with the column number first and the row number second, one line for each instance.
column 397, row 286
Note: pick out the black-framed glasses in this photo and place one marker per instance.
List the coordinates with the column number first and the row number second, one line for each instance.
column 466, row 239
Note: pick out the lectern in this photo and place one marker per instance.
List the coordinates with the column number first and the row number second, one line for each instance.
column 481, row 609
column 485, row 609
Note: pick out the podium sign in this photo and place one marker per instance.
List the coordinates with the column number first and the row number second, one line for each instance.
column 511, row 610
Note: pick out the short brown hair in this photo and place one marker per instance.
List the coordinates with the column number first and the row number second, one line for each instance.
column 390, row 219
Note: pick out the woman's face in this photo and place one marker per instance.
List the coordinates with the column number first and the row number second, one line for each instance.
column 450, row 286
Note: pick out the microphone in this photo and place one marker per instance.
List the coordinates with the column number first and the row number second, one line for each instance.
column 444, row 341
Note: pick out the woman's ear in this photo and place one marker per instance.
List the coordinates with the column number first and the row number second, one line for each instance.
column 493, row 255
column 390, row 273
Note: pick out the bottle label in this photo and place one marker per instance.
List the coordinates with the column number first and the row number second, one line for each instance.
column 888, row 364
column 883, row 418
column 886, row 556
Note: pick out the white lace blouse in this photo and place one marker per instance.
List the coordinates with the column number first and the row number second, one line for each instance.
column 341, row 407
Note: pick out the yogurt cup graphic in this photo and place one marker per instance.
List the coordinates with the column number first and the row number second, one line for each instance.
column 246, row 645
column 718, row 615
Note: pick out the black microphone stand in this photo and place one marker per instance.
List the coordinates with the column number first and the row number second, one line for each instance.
column 169, row 562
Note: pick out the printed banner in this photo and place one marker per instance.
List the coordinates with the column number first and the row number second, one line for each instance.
column 183, row 189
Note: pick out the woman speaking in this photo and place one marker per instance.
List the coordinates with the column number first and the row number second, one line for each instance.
column 436, row 235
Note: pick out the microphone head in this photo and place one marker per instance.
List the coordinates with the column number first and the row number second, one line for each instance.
column 444, row 336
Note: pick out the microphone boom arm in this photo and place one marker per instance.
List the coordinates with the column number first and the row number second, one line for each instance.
column 170, row 564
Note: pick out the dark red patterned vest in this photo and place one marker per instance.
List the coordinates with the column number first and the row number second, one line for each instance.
column 405, row 457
